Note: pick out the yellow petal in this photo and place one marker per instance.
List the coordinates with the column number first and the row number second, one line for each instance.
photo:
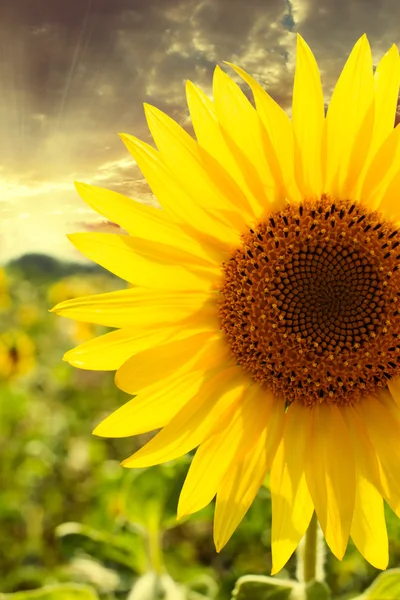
column 349, row 113
column 308, row 120
column 385, row 397
column 161, row 361
column 211, row 138
column 241, row 484
column 359, row 159
column 144, row 263
column 292, row 506
column 383, row 168
column 206, row 229
column 387, row 200
column 386, row 84
column 384, row 432
column 241, row 127
column 158, row 403
column 387, row 80
column 278, row 142
column 237, row 492
column 149, row 411
column 138, row 307
column 330, row 475
column 368, row 529
column 184, row 158
column 108, row 352
column 197, row 420
column 216, row 455
column 138, row 219
column 394, row 388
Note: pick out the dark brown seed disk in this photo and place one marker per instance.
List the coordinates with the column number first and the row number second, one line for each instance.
column 311, row 301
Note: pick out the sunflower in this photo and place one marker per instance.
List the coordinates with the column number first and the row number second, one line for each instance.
column 263, row 328
column 17, row 354
column 73, row 287
column 5, row 301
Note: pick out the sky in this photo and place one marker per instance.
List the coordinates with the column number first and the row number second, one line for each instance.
column 74, row 74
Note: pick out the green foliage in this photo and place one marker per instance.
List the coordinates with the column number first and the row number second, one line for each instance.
column 75, row 525
column 69, row 513
column 317, row 590
column 41, row 268
column 253, row 587
column 55, row 592
column 385, row 587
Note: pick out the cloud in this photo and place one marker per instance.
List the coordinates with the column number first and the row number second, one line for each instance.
column 76, row 73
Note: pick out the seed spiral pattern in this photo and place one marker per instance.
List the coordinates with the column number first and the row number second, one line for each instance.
column 310, row 302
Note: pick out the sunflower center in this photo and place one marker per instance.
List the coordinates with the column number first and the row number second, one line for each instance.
column 310, row 302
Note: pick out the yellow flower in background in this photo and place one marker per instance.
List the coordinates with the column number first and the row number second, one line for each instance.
column 28, row 315
column 17, row 354
column 264, row 326
column 73, row 287
column 5, row 301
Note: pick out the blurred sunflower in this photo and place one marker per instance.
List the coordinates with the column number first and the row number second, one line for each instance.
column 5, row 301
column 264, row 328
column 71, row 287
column 17, row 354
column 67, row 289
column 28, row 315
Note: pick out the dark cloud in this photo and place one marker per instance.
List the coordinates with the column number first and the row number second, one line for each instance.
column 74, row 73
column 332, row 28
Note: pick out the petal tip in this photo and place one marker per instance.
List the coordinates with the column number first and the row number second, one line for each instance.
column 364, row 41
column 103, row 431
column 96, row 431
column 149, row 109
column 299, row 39
column 219, row 542
column 180, row 514
column 381, row 565
column 80, row 185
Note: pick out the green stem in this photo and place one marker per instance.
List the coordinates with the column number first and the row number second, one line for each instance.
column 155, row 550
column 309, row 551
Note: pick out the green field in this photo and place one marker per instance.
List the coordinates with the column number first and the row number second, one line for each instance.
column 72, row 520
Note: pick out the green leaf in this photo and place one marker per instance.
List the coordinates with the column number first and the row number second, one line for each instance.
column 116, row 546
column 84, row 569
column 317, row 590
column 151, row 495
column 203, row 585
column 385, row 587
column 152, row 586
column 55, row 592
column 259, row 587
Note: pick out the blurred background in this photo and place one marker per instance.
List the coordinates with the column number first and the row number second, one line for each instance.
column 73, row 74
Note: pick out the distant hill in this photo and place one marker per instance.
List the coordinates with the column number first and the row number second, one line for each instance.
column 41, row 267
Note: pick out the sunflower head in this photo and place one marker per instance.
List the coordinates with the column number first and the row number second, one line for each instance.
column 17, row 354
column 71, row 287
column 310, row 305
column 263, row 325
column 5, row 301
